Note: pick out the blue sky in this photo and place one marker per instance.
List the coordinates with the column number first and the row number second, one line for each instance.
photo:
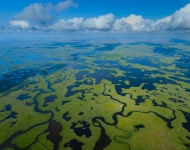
column 98, row 15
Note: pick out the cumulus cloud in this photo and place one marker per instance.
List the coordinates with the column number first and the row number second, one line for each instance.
column 180, row 20
column 103, row 22
column 36, row 12
column 21, row 24
column 120, row 25
column 65, row 5
column 137, row 23
column 133, row 19
column 144, row 25
column 39, row 16
column 41, row 13
column 161, row 24
column 132, row 23
column 68, row 25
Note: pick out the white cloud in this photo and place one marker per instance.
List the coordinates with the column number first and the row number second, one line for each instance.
column 180, row 20
column 137, row 23
column 120, row 25
column 68, row 25
column 40, row 17
column 41, row 13
column 133, row 19
column 143, row 26
column 161, row 24
column 37, row 13
column 64, row 5
column 21, row 24
column 103, row 22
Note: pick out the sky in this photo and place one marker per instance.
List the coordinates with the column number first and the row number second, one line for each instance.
column 95, row 16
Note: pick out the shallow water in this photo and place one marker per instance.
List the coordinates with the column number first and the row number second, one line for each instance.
column 95, row 94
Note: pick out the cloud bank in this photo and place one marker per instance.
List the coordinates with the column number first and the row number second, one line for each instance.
column 68, row 25
column 21, row 24
column 103, row 22
column 39, row 16
column 42, row 13
column 180, row 20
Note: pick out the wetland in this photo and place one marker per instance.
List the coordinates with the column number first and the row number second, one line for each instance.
column 95, row 95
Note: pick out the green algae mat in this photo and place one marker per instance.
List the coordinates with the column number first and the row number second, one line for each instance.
column 85, row 95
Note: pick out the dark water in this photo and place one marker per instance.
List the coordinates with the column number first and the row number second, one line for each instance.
column 139, row 100
column 49, row 99
column 84, row 129
column 165, row 51
column 180, row 41
column 138, row 127
column 99, row 69
column 8, row 107
column 16, row 77
column 23, row 97
column 13, row 114
column 66, row 116
column 74, row 144
column 54, row 136
column 107, row 47
column 186, row 125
